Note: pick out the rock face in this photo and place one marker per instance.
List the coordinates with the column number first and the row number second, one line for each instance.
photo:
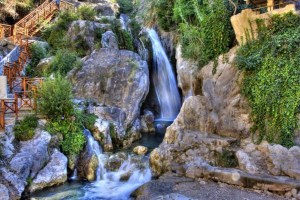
column 118, row 81
column 86, row 32
column 109, row 40
column 210, row 136
column 54, row 173
column 44, row 65
column 27, row 162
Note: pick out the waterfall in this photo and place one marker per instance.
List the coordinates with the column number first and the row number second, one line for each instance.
column 164, row 80
column 111, row 184
column 124, row 19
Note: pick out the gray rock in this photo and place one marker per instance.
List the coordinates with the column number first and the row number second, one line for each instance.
column 118, row 80
column 102, row 134
column 109, row 40
column 86, row 32
column 44, row 65
column 147, row 122
column 28, row 161
column 4, row 193
column 54, row 173
column 245, row 162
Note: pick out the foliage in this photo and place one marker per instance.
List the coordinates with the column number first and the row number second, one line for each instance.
column 56, row 99
column 64, row 61
column 124, row 38
column 86, row 13
column 272, row 83
column 126, row 6
column 73, row 138
column 37, row 53
column 85, row 120
column 25, row 129
column 203, row 27
column 113, row 133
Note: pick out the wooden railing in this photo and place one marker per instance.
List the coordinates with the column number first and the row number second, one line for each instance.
column 5, row 30
column 28, row 26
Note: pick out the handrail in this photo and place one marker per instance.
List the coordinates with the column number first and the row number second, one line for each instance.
column 260, row 10
column 5, row 30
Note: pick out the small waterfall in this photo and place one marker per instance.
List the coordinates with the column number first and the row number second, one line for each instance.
column 74, row 175
column 164, row 80
column 111, row 184
column 124, row 21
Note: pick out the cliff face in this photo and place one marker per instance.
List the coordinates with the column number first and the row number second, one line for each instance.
column 212, row 131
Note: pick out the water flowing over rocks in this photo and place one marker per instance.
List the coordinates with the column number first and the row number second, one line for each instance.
column 54, row 173
column 118, row 82
column 210, row 136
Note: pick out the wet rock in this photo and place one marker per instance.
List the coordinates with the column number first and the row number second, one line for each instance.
column 118, row 82
column 133, row 134
column 115, row 161
column 54, row 173
column 6, row 145
column 140, row 150
column 109, row 40
column 101, row 133
column 87, row 164
column 147, row 122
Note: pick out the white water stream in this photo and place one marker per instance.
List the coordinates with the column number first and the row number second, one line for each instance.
column 164, row 80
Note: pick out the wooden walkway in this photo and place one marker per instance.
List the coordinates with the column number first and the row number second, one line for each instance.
column 24, row 90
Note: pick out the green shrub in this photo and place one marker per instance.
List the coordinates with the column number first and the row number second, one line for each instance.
column 37, row 53
column 126, row 6
column 64, row 61
column 272, row 83
column 124, row 38
column 86, row 13
column 56, row 99
column 25, row 129
column 73, row 138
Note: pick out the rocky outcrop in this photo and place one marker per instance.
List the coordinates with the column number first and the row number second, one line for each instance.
column 25, row 163
column 86, row 32
column 44, row 65
column 54, row 173
column 109, row 40
column 118, row 81
column 269, row 159
column 210, row 136
column 102, row 132
column 172, row 187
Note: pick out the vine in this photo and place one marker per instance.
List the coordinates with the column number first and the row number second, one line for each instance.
column 272, row 83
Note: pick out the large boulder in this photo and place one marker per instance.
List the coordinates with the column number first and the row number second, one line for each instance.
column 26, row 163
column 118, row 82
column 54, row 173
column 109, row 40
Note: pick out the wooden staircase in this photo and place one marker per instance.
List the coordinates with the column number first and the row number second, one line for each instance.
column 24, row 90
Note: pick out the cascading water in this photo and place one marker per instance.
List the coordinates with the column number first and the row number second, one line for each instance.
column 124, row 19
column 109, row 185
column 164, row 80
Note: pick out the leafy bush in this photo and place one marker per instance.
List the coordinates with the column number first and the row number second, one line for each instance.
column 64, row 61
column 203, row 27
column 124, row 38
column 272, row 83
column 73, row 138
column 86, row 13
column 56, row 99
column 126, row 6
column 25, row 129
column 37, row 53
